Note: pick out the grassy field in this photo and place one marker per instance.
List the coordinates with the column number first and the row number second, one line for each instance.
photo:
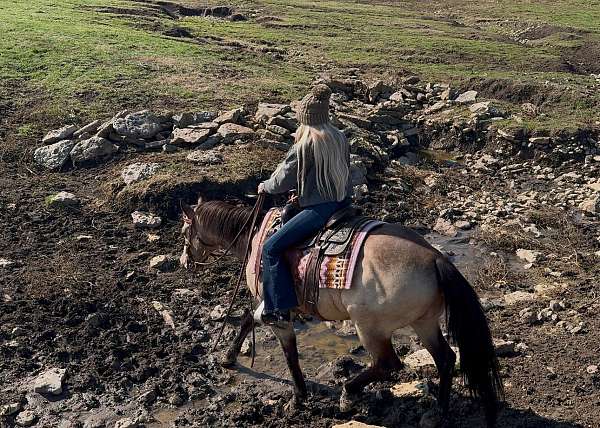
column 69, row 60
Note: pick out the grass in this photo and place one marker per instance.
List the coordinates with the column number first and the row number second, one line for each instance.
column 78, row 59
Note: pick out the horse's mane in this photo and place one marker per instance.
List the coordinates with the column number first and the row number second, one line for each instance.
column 222, row 219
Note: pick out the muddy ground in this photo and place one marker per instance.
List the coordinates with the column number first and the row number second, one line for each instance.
column 80, row 296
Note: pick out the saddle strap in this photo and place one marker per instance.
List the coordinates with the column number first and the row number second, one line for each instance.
column 310, row 297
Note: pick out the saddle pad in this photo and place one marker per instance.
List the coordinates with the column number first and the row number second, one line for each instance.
column 336, row 271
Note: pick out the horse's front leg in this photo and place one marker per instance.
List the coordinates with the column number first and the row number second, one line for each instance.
column 287, row 339
column 230, row 357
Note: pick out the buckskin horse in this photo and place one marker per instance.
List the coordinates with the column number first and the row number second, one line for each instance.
column 399, row 280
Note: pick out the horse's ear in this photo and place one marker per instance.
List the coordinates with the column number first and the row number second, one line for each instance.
column 188, row 212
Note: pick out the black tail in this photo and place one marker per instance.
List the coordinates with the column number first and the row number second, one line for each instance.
column 468, row 328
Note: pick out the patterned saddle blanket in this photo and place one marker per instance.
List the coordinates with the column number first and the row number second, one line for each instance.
column 327, row 260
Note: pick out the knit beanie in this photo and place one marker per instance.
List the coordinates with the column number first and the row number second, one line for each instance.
column 314, row 107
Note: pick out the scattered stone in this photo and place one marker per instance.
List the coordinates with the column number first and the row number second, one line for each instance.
column 147, row 397
column 504, row 348
column 138, row 172
column 422, row 358
column 126, row 423
column 480, row 108
column 26, row 418
column 591, row 205
column 410, row 389
column 540, row 141
column 165, row 312
column 445, row 227
column 518, row 296
column 279, row 130
column 592, row 369
column 163, row 262
column 184, row 120
column 231, row 116
column 5, row 263
column 246, row 348
column 190, row 136
column 530, row 256
column 55, row 155
column 231, row 132
column 508, row 136
column 50, row 382
column 205, row 157
column 141, row 124
column 145, row 220
column 466, row 97
column 266, row 111
column 95, row 149
column 463, row 225
column 56, row 135
column 10, row 409
column 218, row 313
column 90, row 128
column 62, row 200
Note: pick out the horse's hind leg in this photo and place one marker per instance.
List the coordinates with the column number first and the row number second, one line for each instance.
column 430, row 334
column 232, row 353
column 384, row 362
column 287, row 339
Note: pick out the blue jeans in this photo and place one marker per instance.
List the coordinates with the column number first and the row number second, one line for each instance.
column 278, row 284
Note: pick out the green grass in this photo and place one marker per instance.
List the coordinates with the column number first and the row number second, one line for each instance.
column 74, row 62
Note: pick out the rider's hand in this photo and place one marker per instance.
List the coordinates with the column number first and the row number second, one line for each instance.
column 261, row 188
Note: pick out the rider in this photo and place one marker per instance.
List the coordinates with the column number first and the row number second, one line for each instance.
column 318, row 167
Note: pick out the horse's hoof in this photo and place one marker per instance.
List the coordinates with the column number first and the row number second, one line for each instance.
column 346, row 402
column 228, row 361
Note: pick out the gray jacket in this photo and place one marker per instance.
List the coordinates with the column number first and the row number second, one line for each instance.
column 285, row 178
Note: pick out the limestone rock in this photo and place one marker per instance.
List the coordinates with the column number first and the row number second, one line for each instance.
column 55, row 155
column 184, row 120
column 56, row 135
column 145, row 220
column 90, row 128
column 139, row 171
column 141, row 124
column 106, row 128
column 422, row 358
column 188, row 136
column 445, row 227
column 231, row 132
column 218, row 312
column 50, row 382
column 163, row 262
column 530, row 256
column 466, row 97
column 62, row 200
column 203, row 158
column 410, row 389
column 266, row 111
column 504, row 348
column 518, row 296
column 95, row 149
column 26, row 418
column 231, row 116
column 285, row 122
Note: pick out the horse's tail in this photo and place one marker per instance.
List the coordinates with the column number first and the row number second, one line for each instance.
column 468, row 328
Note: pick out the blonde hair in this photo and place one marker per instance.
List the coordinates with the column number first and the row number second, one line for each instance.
column 326, row 148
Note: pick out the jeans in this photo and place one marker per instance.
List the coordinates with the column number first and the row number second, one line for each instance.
column 278, row 284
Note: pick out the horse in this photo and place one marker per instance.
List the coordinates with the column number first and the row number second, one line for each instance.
column 400, row 280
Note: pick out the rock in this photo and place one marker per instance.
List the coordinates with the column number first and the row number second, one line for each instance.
column 530, row 256
column 55, row 155
column 379, row 90
column 126, row 423
column 10, row 409
column 147, row 397
column 410, row 389
column 540, row 141
column 447, row 94
column 5, row 263
column 138, row 172
column 280, row 130
column 265, row 111
column 163, row 262
column 591, row 205
column 246, row 348
column 56, row 135
column 435, row 108
column 218, row 313
column 422, row 358
column 285, row 122
column 445, row 227
column 592, row 369
column 184, row 120
column 205, row 157
column 106, row 128
column 466, row 97
column 141, row 124
column 90, row 128
column 508, row 136
column 530, row 109
column 504, row 348
column 188, row 136
column 62, row 200
column 231, row 116
column 355, row 424
column 26, row 418
column 480, row 108
column 431, row 419
column 463, row 224
column 50, row 382
column 145, row 220
column 95, row 149
column 272, row 136
column 231, row 132
column 409, row 158
column 518, row 296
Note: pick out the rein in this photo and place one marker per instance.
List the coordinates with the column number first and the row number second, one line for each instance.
column 252, row 219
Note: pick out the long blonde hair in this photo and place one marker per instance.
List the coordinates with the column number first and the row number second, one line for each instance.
column 326, row 148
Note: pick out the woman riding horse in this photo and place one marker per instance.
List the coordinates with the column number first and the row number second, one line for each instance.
column 318, row 166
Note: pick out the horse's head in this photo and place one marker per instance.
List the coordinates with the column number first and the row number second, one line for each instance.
column 195, row 250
